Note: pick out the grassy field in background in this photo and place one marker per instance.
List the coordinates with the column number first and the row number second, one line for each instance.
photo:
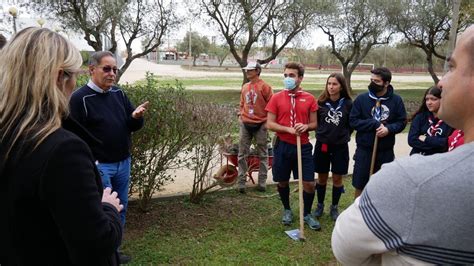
column 227, row 228
column 309, row 83
column 233, row 96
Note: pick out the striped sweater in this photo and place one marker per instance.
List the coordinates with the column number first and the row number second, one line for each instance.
column 414, row 210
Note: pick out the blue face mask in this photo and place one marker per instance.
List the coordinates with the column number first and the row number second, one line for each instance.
column 290, row 83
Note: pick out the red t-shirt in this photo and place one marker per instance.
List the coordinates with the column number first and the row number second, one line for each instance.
column 280, row 105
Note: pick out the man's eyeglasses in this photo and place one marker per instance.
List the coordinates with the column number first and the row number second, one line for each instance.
column 107, row 69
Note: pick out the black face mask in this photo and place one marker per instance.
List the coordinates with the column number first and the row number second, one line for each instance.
column 375, row 87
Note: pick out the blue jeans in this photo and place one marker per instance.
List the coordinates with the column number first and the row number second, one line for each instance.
column 117, row 177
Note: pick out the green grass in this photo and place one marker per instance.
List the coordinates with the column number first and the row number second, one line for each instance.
column 233, row 96
column 309, row 83
column 227, row 228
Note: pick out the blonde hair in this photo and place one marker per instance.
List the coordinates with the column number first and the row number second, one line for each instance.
column 31, row 103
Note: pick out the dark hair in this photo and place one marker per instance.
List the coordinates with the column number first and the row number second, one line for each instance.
column 3, row 41
column 383, row 72
column 344, row 91
column 97, row 57
column 435, row 91
column 297, row 66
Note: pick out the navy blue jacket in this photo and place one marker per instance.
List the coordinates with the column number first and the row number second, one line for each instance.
column 333, row 126
column 394, row 117
column 432, row 144
column 108, row 116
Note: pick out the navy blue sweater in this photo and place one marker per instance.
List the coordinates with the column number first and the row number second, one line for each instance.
column 393, row 116
column 333, row 125
column 108, row 116
column 436, row 143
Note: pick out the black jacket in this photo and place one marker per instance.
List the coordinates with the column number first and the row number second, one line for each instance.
column 333, row 125
column 108, row 116
column 432, row 144
column 393, row 116
column 52, row 212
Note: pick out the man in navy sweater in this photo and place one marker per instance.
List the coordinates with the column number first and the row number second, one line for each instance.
column 106, row 112
column 369, row 120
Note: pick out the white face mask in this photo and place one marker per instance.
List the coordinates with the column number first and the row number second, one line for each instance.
column 290, row 83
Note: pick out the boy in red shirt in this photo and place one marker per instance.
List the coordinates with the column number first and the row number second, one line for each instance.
column 292, row 112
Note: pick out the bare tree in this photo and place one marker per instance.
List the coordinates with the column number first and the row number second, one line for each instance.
column 426, row 25
column 353, row 28
column 243, row 22
column 106, row 20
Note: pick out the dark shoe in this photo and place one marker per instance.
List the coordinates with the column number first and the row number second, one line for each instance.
column 241, row 190
column 287, row 218
column 334, row 212
column 319, row 210
column 311, row 222
column 124, row 259
column 261, row 188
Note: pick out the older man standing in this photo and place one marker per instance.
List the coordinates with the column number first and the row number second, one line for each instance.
column 419, row 209
column 106, row 112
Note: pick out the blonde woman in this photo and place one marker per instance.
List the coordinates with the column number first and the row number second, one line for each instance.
column 54, row 210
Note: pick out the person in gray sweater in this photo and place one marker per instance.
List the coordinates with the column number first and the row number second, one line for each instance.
column 418, row 209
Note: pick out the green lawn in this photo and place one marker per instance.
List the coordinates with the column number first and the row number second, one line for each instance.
column 233, row 96
column 227, row 228
column 309, row 83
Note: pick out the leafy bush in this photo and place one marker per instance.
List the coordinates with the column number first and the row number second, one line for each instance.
column 86, row 55
column 163, row 143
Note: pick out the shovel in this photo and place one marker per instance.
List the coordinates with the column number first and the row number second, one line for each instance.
column 298, row 234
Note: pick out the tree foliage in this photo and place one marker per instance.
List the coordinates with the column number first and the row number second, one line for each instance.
column 127, row 20
column 220, row 52
column 199, row 44
column 353, row 28
column 243, row 22
column 425, row 24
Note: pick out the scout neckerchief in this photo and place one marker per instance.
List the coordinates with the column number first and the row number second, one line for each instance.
column 334, row 114
column 433, row 129
column 293, row 107
column 378, row 107
column 452, row 145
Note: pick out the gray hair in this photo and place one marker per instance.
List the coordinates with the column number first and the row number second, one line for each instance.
column 97, row 57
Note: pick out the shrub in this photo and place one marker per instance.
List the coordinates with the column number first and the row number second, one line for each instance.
column 209, row 124
column 163, row 143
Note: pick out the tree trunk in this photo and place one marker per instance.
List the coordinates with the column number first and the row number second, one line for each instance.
column 429, row 59
column 347, row 75
column 245, row 80
column 194, row 61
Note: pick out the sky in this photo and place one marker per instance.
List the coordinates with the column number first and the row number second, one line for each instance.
column 317, row 37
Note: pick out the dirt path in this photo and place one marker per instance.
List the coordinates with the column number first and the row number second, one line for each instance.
column 184, row 178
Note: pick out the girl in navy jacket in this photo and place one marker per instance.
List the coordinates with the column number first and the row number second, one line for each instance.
column 332, row 136
column 429, row 134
